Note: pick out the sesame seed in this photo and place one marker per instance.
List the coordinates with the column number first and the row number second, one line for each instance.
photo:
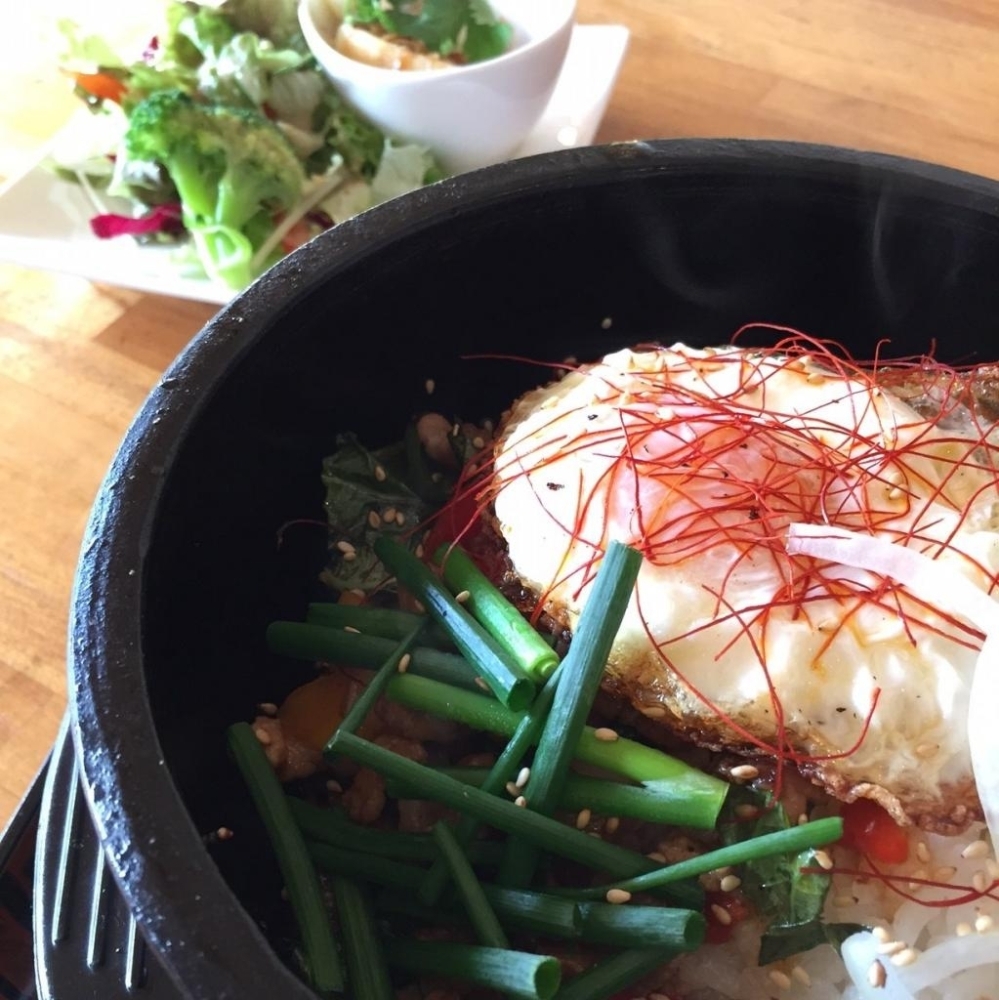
column 917, row 875
column 730, row 883
column 944, row 873
column 380, row 474
column 373, row 519
column 842, row 902
column 815, row 378
column 746, row 811
column 478, row 442
column 823, row 860
column 404, row 661
column 905, row 957
column 984, row 923
column 400, row 518
column 802, row 819
column 388, row 514
column 524, row 777
column 263, row 737
column 349, row 556
column 876, row 975
column 463, row 596
column 419, row 551
column 975, row 850
column 512, row 790
column 345, row 546
column 922, row 852
column 654, row 712
column 881, row 934
column 980, row 881
column 721, row 914
column 606, row 734
column 891, row 947
column 612, row 824
column 456, row 430
column 605, row 324
column 780, row 979
column 224, row 833
column 268, row 708
column 334, row 787
column 925, row 750
column 801, row 976
column 659, row 859
column 520, row 801
column 430, row 385
column 436, row 477
column 617, row 896
column 745, row 772
column 481, row 683
column 721, row 872
column 350, row 628
column 963, row 929
column 583, row 818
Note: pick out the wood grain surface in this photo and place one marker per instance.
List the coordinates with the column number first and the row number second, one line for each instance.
column 916, row 77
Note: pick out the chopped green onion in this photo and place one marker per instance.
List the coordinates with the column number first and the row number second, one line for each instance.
column 789, row 841
column 516, row 973
column 506, row 767
column 333, row 645
column 376, row 686
column 480, row 913
column 505, row 679
column 629, row 926
column 654, row 802
column 702, row 794
column 520, row 910
column 534, row 912
column 583, row 671
column 301, row 881
column 496, row 614
column 611, row 975
column 386, row 623
column 504, row 815
column 367, row 969
column 370, row 867
column 329, row 827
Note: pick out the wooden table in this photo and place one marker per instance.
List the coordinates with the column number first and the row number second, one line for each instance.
column 918, row 77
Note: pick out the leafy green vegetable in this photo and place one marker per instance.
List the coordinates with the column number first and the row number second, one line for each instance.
column 225, row 55
column 233, row 170
column 788, row 890
column 465, row 28
column 782, row 942
column 362, row 486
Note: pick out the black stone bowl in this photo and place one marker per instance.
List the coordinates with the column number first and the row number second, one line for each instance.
column 180, row 570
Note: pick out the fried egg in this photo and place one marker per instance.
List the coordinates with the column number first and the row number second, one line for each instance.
column 703, row 460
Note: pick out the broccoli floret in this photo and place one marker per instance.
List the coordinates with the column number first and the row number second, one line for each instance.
column 233, row 170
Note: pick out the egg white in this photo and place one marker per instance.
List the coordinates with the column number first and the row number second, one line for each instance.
column 702, row 458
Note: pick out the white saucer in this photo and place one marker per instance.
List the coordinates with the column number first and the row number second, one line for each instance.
column 44, row 221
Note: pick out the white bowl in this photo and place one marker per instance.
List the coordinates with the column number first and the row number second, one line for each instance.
column 470, row 116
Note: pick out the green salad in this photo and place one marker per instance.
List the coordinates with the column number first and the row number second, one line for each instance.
column 226, row 139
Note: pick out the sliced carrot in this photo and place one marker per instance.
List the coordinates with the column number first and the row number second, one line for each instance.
column 105, row 86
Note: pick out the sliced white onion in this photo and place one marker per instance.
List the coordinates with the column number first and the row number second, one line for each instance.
column 950, row 592
column 860, row 952
column 947, row 959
